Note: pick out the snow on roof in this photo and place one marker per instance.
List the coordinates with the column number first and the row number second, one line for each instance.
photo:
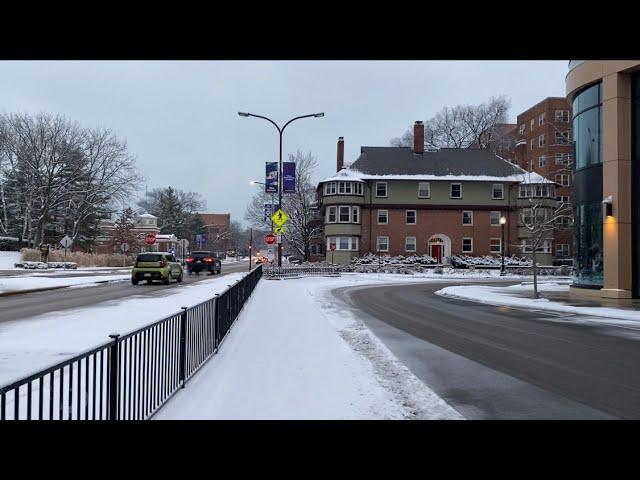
column 147, row 215
column 354, row 175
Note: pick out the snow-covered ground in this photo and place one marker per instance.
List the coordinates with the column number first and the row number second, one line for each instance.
column 7, row 259
column 512, row 296
column 31, row 282
column 296, row 353
column 31, row 344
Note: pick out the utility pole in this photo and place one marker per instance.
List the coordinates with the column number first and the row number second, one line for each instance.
column 250, row 246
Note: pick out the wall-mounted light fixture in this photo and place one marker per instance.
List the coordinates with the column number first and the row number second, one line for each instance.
column 608, row 204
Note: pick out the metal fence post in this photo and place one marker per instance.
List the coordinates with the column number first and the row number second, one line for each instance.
column 216, row 324
column 114, row 390
column 183, row 345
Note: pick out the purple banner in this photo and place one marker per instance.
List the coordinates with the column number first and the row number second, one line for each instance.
column 289, row 177
column 271, row 177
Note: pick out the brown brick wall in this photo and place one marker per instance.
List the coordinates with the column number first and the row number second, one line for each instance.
column 431, row 222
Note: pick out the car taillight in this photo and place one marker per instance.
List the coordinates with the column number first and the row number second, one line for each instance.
column 208, row 259
column 189, row 260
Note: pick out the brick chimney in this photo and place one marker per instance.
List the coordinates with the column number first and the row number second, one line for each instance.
column 418, row 137
column 340, row 161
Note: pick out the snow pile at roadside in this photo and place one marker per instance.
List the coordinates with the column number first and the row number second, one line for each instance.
column 512, row 297
column 35, row 343
column 292, row 354
column 7, row 259
column 31, row 282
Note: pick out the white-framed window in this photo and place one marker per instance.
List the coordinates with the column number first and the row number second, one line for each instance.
column 382, row 244
column 495, row 245
column 357, row 188
column 410, row 244
column 494, row 218
column 497, row 191
column 531, row 143
column 563, row 179
column 527, row 217
column 532, row 123
column 467, row 245
column 381, row 189
column 424, row 190
column 541, row 118
column 343, row 243
column 526, row 248
column 330, row 188
column 542, row 161
column 562, row 115
column 566, row 199
column 563, row 138
column 344, row 214
column 467, row 217
column 545, row 247
column 332, row 214
column 383, row 217
column 523, row 127
column 542, row 141
column 562, row 250
column 355, row 214
column 563, row 159
column 456, row 190
column 410, row 217
column 344, row 188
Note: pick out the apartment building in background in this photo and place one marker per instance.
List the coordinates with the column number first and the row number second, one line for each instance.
column 440, row 202
column 544, row 145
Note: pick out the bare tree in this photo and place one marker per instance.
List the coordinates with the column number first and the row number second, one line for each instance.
column 541, row 216
column 462, row 126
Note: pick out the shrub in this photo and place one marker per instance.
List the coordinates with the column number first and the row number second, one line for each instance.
column 80, row 258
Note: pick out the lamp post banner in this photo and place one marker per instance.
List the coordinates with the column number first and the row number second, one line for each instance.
column 289, row 177
column 271, row 177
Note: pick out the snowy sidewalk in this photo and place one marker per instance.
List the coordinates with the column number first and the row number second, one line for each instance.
column 294, row 353
column 518, row 296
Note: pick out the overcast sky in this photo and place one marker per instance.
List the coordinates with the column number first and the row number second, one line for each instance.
column 180, row 118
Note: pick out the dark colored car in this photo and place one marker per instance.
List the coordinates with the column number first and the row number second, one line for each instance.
column 203, row 261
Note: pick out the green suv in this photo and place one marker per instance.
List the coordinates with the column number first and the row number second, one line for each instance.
column 152, row 266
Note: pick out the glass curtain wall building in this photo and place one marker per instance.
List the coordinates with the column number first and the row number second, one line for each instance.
column 587, row 127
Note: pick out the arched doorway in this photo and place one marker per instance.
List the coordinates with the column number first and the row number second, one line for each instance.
column 439, row 247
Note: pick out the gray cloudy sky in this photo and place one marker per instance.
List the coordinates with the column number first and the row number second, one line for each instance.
column 179, row 118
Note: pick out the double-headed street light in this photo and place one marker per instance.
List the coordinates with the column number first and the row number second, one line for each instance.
column 503, row 221
column 280, row 131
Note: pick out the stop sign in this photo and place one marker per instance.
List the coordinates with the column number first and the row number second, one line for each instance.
column 270, row 239
column 332, row 246
column 149, row 239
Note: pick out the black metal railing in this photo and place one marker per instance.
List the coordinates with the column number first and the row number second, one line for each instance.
column 132, row 376
column 300, row 271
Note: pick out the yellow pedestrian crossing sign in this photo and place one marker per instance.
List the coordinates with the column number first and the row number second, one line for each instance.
column 279, row 217
column 278, row 229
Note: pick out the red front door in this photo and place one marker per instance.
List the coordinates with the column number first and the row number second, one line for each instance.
column 436, row 252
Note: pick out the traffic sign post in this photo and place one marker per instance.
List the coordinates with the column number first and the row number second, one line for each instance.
column 66, row 242
column 279, row 218
column 332, row 246
column 278, row 230
column 125, row 248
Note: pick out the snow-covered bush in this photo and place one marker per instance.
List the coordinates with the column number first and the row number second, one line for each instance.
column 464, row 261
column 372, row 259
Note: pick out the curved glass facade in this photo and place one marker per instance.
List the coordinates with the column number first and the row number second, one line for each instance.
column 588, row 241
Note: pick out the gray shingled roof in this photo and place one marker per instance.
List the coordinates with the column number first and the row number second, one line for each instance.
column 446, row 161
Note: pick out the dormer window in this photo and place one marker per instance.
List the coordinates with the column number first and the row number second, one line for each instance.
column 343, row 188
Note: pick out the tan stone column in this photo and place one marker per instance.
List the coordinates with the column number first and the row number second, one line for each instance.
column 616, row 177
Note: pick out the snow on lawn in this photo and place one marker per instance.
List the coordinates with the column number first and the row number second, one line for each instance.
column 22, row 283
column 295, row 352
column 32, row 344
column 512, row 297
column 7, row 259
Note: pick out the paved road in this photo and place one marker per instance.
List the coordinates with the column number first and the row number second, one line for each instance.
column 27, row 305
column 504, row 363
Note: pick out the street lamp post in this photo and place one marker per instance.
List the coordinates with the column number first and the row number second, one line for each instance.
column 280, row 131
column 503, row 220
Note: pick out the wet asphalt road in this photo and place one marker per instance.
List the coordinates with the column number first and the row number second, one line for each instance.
column 503, row 363
column 27, row 305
